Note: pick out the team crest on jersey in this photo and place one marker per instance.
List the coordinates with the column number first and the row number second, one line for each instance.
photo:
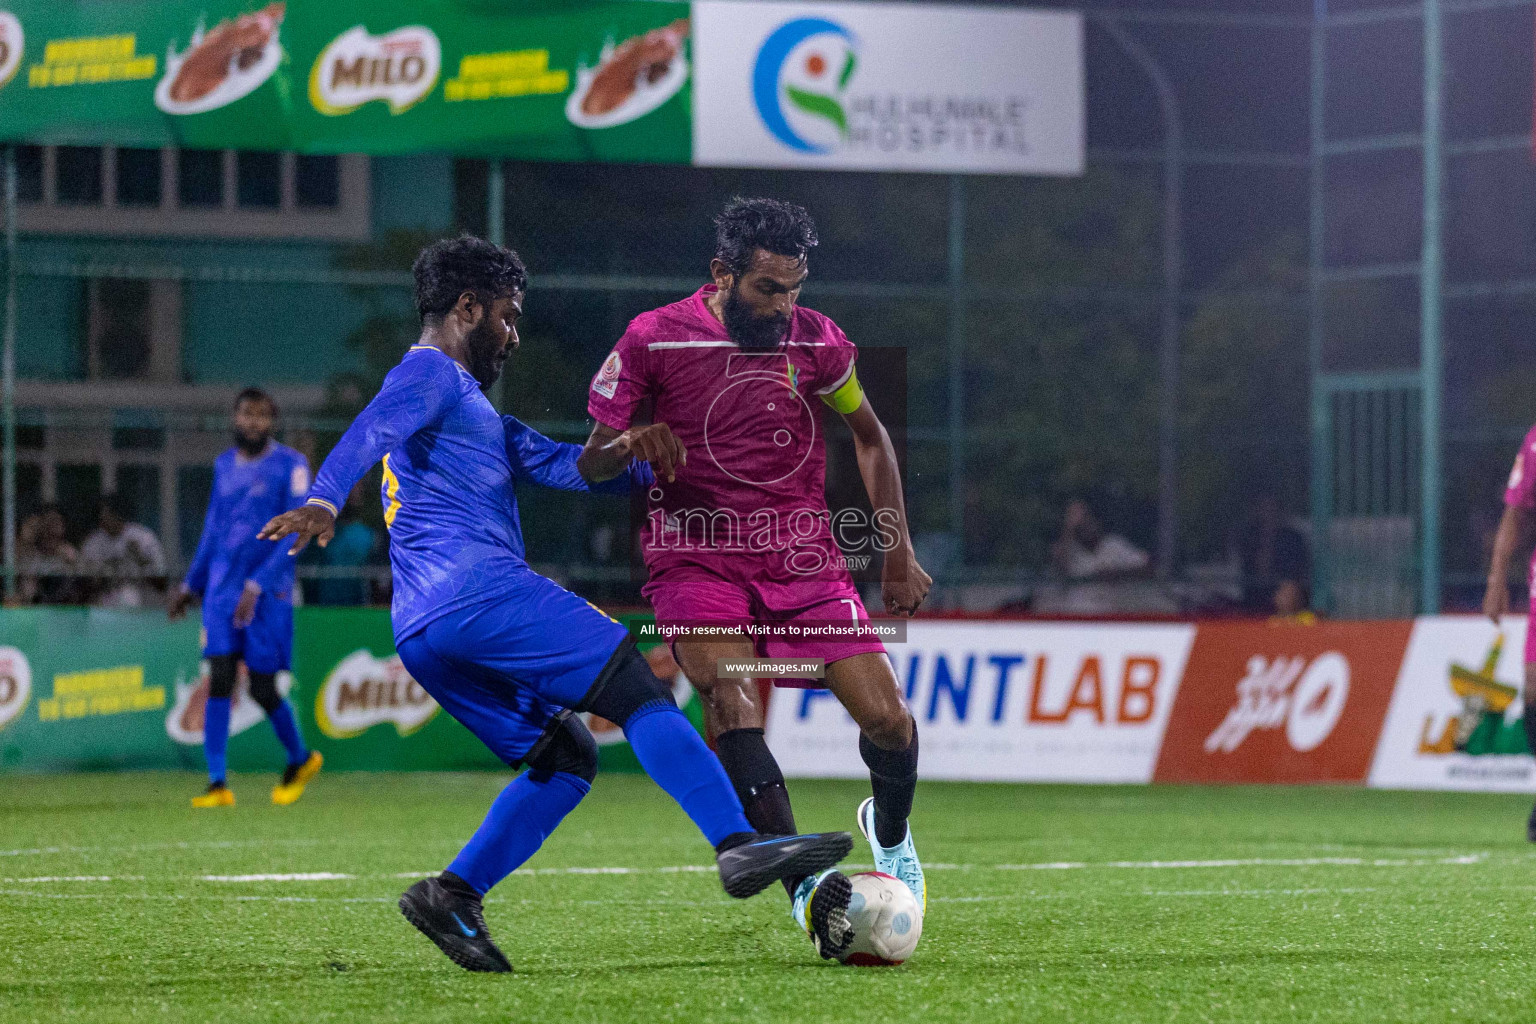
column 606, row 383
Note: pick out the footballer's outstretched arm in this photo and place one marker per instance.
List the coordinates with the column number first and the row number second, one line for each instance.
column 416, row 394
column 608, row 452
column 903, row 583
column 553, row 464
column 1513, row 528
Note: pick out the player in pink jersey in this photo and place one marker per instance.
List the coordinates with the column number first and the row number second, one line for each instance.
column 1519, row 506
column 738, row 531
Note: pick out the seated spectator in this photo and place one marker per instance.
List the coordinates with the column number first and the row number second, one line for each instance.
column 1275, row 561
column 48, row 565
column 124, row 559
column 1105, row 573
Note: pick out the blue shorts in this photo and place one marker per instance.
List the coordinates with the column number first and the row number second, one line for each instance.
column 266, row 645
column 506, row 666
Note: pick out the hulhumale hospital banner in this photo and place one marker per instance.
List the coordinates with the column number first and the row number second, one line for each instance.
column 749, row 84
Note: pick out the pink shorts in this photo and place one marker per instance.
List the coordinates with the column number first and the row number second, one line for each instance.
column 701, row 599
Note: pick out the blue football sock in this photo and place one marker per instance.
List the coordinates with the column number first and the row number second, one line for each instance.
column 287, row 728
column 675, row 756
column 216, row 736
column 521, row 818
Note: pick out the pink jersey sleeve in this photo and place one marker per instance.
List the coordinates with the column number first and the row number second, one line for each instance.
column 622, row 381
column 1520, row 492
column 834, row 361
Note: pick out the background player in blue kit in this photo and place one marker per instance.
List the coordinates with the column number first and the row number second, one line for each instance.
column 246, row 585
column 506, row 651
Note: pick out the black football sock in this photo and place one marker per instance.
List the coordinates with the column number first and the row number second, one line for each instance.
column 759, row 784
column 893, row 779
column 1529, row 722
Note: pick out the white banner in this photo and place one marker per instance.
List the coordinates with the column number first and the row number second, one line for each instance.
column 1008, row 701
column 1454, row 721
column 888, row 86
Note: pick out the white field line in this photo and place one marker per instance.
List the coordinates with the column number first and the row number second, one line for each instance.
column 720, row 902
column 1247, row 862
column 303, row 876
column 1144, row 865
column 221, row 844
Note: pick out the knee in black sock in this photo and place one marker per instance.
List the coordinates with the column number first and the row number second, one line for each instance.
column 221, row 675
column 264, row 690
column 759, row 782
column 567, row 746
column 625, row 686
column 893, row 779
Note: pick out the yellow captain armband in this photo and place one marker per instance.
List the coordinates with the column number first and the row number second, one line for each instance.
column 847, row 396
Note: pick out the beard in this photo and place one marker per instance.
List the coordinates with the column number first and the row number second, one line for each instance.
column 487, row 353
column 752, row 332
column 251, row 446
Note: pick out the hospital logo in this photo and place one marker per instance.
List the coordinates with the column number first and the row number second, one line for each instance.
column 400, row 68
column 800, row 83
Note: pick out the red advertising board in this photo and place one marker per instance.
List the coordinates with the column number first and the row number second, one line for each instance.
column 1280, row 703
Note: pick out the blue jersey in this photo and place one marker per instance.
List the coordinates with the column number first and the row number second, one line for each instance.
column 450, row 462
column 247, row 493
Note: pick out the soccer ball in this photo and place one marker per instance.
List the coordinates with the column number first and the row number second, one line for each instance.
column 886, row 918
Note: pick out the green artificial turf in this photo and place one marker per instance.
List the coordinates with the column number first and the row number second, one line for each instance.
column 1046, row 903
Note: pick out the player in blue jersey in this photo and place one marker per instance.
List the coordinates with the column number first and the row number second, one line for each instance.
column 506, row 651
column 246, row 585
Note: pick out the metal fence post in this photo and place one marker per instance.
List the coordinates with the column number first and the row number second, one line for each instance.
column 957, row 366
column 1431, row 276
column 1321, row 487
column 8, row 377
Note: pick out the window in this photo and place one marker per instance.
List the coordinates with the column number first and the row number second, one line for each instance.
column 138, row 177
column 138, row 438
column 200, row 177
column 317, row 181
column 79, row 176
column 259, row 179
column 119, row 335
column 194, row 487
column 140, row 486
column 29, row 174
column 29, row 487
column 217, row 193
column 78, row 491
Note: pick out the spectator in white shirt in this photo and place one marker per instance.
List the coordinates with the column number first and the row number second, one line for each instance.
column 1102, row 570
column 124, row 557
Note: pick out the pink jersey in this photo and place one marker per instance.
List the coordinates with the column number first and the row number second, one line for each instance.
column 751, row 500
column 1520, row 492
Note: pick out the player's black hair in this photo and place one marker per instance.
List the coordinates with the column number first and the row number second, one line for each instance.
column 449, row 268
column 256, row 395
column 746, row 225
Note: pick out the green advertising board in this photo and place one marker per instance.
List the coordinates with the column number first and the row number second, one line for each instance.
column 576, row 81
column 89, row 689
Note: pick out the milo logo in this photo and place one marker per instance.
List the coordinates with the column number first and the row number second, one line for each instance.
column 15, row 683
column 11, row 45
column 363, row 691
column 400, row 68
